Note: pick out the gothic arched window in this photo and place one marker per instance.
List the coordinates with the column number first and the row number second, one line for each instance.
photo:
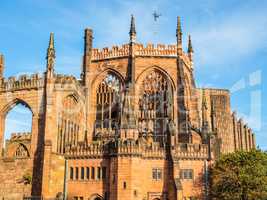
column 21, row 152
column 155, row 105
column 70, row 124
column 108, row 104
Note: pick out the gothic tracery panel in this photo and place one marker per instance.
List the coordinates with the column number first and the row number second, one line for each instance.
column 21, row 152
column 155, row 105
column 70, row 124
column 108, row 105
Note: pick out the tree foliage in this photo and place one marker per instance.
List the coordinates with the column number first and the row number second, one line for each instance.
column 240, row 176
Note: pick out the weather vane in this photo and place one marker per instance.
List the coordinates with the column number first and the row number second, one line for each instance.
column 156, row 15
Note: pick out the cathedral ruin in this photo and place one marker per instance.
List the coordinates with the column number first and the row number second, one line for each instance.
column 133, row 126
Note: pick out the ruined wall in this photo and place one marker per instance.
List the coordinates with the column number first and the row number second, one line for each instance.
column 12, row 178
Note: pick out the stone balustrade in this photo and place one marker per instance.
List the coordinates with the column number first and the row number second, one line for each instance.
column 131, row 148
column 191, row 151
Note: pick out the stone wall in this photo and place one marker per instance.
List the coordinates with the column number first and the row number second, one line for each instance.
column 12, row 184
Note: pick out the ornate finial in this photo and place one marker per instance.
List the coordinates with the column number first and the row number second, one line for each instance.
column 132, row 32
column 190, row 47
column 2, row 63
column 50, row 57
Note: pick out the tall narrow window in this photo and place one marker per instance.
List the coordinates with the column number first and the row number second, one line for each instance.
column 87, row 173
column 93, row 173
column 76, row 173
column 104, row 169
column 108, row 98
column 82, row 173
column 155, row 105
column 71, row 173
column 98, row 173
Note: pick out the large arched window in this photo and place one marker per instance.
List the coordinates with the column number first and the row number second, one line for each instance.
column 21, row 151
column 108, row 104
column 155, row 105
column 70, row 125
column 18, row 120
column 17, row 128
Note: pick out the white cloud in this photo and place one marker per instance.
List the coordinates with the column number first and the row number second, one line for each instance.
column 231, row 38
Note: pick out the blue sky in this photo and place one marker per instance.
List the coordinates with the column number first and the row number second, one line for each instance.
column 229, row 39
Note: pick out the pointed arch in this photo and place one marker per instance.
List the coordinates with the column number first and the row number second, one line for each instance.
column 98, row 78
column 107, row 103
column 4, row 119
column 96, row 197
column 160, row 69
column 21, row 151
column 71, row 123
column 13, row 103
column 155, row 101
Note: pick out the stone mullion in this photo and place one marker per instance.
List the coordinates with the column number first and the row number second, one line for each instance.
column 102, row 108
column 2, row 132
column 58, row 137
column 71, row 132
column 74, row 133
column 77, row 136
column 65, row 135
column 62, row 135
column 110, row 103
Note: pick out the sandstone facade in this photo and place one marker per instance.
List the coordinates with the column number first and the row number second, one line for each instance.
column 134, row 126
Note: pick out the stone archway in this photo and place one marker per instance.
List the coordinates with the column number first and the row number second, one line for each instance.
column 9, row 108
column 96, row 197
column 155, row 104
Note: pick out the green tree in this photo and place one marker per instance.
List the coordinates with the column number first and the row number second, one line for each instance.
column 240, row 176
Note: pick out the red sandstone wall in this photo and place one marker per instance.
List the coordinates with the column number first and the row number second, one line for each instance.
column 12, row 171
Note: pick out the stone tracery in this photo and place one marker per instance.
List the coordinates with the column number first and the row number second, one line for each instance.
column 69, row 125
column 108, row 105
column 155, row 105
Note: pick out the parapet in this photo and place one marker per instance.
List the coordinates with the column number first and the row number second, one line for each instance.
column 22, row 82
column 22, row 136
column 132, row 148
column 139, row 50
column 191, row 151
column 67, row 82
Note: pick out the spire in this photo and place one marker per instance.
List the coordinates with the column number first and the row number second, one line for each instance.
column 179, row 35
column 132, row 32
column 50, row 56
column 190, row 47
column 2, row 65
